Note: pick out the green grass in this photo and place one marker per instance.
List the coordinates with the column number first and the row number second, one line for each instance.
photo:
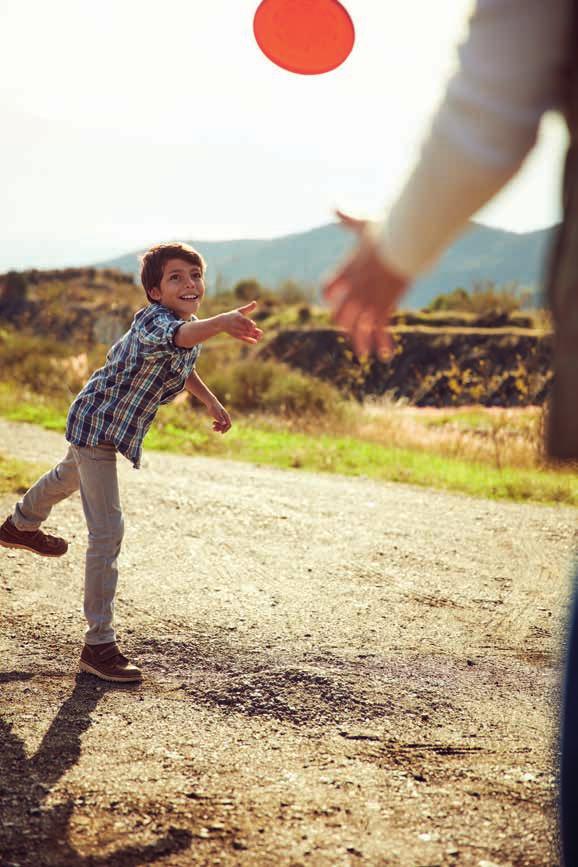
column 265, row 441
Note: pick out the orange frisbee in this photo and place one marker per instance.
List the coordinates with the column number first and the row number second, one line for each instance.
column 304, row 36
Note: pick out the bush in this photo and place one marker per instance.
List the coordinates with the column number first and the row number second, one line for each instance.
column 291, row 292
column 269, row 386
column 37, row 362
column 483, row 299
column 304, row 314
column 248, row 290
column 456, row 300
column 13, row 295
column 295, row 394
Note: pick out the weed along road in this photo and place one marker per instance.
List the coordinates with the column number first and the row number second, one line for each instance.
column 338, row 672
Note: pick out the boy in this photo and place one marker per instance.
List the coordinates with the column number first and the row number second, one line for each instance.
column 148, row 366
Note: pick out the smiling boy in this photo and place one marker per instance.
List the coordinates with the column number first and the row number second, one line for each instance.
column 150, row 364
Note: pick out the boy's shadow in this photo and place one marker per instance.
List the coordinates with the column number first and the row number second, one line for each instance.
column 35, row 835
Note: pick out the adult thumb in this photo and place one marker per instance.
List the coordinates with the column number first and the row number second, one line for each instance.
column 353, row 223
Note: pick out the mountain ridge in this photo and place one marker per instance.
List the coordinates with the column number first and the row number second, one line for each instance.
column 482, row 253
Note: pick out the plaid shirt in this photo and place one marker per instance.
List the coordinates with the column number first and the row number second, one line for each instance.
column 143, row 370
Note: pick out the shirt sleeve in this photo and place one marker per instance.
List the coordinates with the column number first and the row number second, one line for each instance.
column 513, row 67
column 156, row 333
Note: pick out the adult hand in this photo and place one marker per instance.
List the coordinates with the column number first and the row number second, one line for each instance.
column 363, row 293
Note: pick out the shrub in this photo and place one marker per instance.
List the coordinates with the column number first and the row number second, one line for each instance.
column 484, row 298
column 291, row 292
column 248, row 290
column 294, row 394
column 37, row 362
column 241, row 384
column 13, row 295
column 304, row 314
column 269, row 386
column 456, row 300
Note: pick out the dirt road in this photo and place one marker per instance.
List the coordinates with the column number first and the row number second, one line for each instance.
column 338, row 672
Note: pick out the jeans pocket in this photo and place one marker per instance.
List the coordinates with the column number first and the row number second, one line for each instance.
column 98, row 453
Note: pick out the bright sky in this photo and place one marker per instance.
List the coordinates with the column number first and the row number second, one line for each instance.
column 126, row 123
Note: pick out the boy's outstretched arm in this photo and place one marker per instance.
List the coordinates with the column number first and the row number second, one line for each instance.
column 221, row 418
column 234, row 322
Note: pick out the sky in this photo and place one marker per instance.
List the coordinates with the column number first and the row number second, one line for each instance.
column 128, row 123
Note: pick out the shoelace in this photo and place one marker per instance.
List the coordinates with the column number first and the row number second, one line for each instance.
column 46, row 537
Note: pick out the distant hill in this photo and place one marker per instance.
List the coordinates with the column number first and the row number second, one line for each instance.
column 482, row 253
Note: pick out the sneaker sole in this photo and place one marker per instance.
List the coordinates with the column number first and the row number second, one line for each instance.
column 4, row 544
column 84, row 666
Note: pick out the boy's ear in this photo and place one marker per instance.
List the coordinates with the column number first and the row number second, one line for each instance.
column 155, row 292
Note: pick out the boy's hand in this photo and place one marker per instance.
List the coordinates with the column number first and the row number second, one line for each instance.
column 222, row 419
column 363, row 294
column 237, row 324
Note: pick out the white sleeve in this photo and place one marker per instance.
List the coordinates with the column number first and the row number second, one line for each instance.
column 512, row 69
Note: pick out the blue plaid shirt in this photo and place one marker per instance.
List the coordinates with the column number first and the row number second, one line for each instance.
column 143, row 370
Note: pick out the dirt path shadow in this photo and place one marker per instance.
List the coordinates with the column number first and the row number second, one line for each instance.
column 32, row 833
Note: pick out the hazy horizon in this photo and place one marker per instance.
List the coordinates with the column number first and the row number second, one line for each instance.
column 55, row 261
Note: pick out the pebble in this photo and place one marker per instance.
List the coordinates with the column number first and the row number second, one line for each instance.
column 240, row 845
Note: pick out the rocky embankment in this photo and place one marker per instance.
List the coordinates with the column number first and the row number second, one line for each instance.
column 431, row 366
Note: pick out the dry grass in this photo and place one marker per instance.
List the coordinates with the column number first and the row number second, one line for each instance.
column 501, row 437
column 17, row 476
column 493, row 436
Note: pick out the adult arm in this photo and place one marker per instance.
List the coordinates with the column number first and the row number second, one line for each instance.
column 513, row 66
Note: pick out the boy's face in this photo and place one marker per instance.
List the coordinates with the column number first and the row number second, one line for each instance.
column 182, row 287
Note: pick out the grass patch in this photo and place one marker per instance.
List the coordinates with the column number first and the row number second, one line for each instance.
column 352, row 457
column 270, row 441
column 520, row 419
column 17, row 476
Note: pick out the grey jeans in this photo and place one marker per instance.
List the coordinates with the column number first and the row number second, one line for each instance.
column 93, row 471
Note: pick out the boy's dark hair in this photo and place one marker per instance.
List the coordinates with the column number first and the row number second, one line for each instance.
column 154, row 260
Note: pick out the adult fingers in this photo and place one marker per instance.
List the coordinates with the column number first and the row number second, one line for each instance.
column 362, row 334
column 383, row 343
column 383, row 339
column 336, row 294
column 356, row 225
column 336, row 282
column 347, row 313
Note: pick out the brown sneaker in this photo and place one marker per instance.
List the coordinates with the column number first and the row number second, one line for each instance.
column 35, row 540
column 107, row 662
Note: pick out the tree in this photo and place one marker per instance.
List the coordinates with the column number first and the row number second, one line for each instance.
column 292, row 292
column 13, row 298
column 248, row 290
column 221, row 284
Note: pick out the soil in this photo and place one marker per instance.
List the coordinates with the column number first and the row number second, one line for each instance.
column 337, row 672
